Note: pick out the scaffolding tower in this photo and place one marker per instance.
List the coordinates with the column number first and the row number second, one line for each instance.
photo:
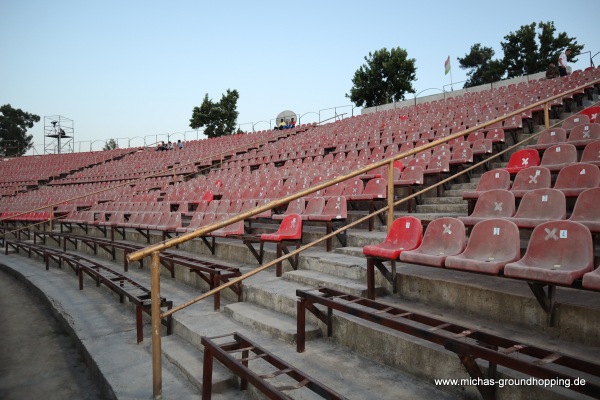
column 59, row 134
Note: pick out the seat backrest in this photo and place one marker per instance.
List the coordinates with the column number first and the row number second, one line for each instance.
column 580, row 175
column 296, row 206
column 592, row 113
column 494, row 239
column 405, row 233
column 532, row 178
column 336, row 206
column 559, row 154
column 418, row 162
column 496, row 135
column 444, row 236
column 291, row 226
column 543, row 204
column 494, row 203
column 573, row 120
column 335, row 190
column 591, row 153
column 353, row 187
column 522, row 159
column 552, row 136
column 376, row 187
column 589, row 131
column 494, row 179
column 587, row 206
column 413, row 173
column 315, row 206
column 562, row 245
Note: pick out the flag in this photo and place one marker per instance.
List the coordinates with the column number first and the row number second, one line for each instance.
column 447, row 65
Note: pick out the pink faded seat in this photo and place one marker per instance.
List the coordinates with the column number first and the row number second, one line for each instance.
column 558, row 156
column 539, row 206
column 404, row 234
column 591, row 280
column 591, row 153
column 559, row 252
column 584, row 134
column 290, row 229
column 522, row 159
column 587, row 209
column 492, row 244
column 443, row 237
column 411, row 175
column 294, row 207
column 574, row 179
column 549, row 138
column 573, row 120
column 495, row 203
column 314, row 207
column 529, row 179
column 494, row 179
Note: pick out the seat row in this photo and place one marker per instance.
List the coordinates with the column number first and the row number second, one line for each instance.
column 559, row 252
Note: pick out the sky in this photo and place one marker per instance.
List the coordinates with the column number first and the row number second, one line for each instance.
column 134, row 70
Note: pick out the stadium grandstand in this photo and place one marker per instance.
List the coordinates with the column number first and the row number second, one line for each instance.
column 434, row 249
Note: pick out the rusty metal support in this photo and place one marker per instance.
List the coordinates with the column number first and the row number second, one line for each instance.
column 547, row 115
column 156, row 350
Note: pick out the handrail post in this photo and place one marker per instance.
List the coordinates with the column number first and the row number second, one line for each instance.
column 547, row 115
column 155, row 308
column 390, row 195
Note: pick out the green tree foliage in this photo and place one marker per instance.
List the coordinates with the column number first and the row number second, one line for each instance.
column 527, row 51
column 218, row 118
column 110, row 144
column 386, row 77
column 14, row 124
column 481, row 68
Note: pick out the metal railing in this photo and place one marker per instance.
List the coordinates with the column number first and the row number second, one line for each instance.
column 154, row 250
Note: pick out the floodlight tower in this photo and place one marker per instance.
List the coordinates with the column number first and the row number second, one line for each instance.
column 59, row 134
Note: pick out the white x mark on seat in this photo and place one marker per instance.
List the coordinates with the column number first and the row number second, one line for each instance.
column 533, row 179
column 551, row 234
column 497, row 206
column 447, row 230
column 525, row 161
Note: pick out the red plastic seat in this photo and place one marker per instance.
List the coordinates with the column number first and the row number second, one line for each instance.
column 494, row 179
column 290, row 229
column 443, row 237
column 591, row 153
column 461, row 156
column 558, row 156
column 592, row 113
column 591, row 280
column 559, row 252
column 529, row 179
column 493, row 243
column 410, row 176
column 587, row 209
column 584, row 134
column 495, row 203
column 404, row 234
column 374, row 189
column 574, row 179
column 522, row 159
column 539, row 206
column 437, row 165
column 237, row 228
column 335, row 208
column 353, row 187
column 482, row 146
column 496, row 135
column 549, row 138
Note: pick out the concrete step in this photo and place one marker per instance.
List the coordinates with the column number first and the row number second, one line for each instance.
column 316, row 279
column 454, row 192
column 275, row 324
column 188, row 359
column 443, row 208
column 340, row 265
column 443, row 200
column 462, row 186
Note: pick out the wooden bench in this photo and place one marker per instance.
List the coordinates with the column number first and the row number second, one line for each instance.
column 289, row 378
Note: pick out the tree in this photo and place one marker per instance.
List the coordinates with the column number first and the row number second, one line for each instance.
column 526, row 51
column 219, row 118
column 110, row 144
column 386, row 77
column 482, row 69
column 14, row 124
